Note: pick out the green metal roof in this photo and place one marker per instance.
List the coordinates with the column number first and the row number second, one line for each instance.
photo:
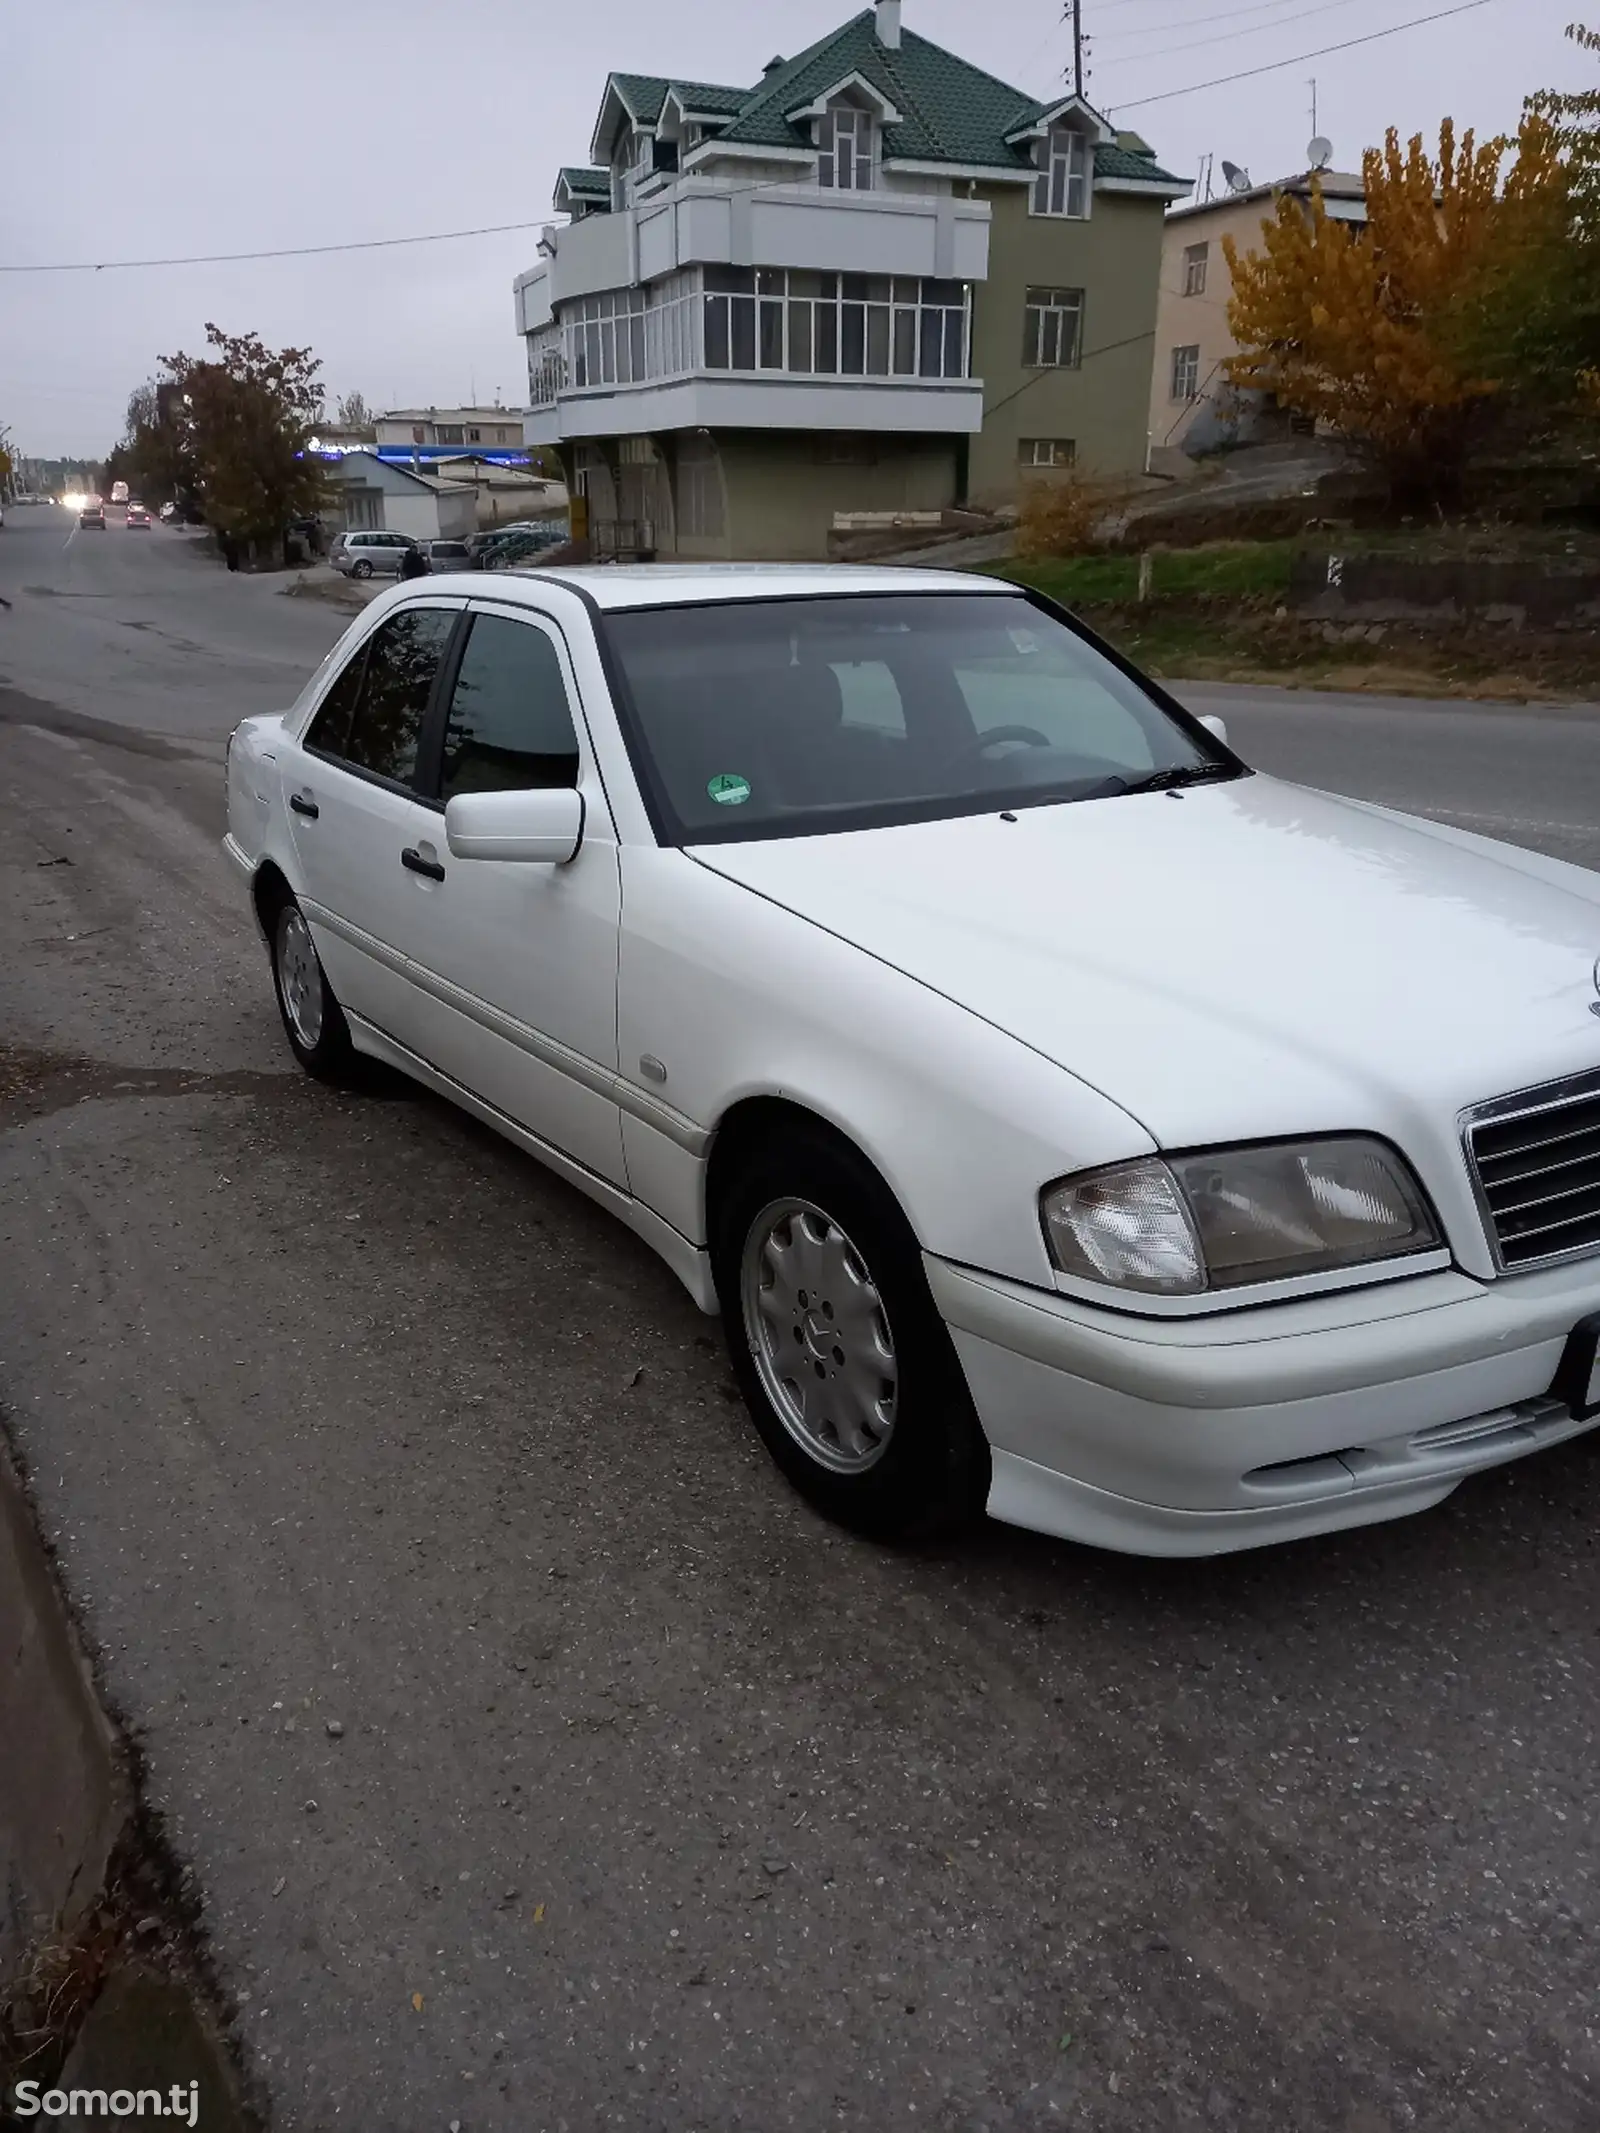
column 950, row 111
column 644, row 95
column 1115, row 162
column 585, row 181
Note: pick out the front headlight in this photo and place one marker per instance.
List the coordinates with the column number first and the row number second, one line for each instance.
column 1180, row 1225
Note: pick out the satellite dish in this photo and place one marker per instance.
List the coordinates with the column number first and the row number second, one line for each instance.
column 1238, row 180
column 1320, row 153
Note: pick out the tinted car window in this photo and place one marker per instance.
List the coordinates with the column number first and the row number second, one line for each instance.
column 403, row 658
column 330, row 729
column 510, row 726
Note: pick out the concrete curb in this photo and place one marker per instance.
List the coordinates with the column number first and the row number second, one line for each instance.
column 65, row 1798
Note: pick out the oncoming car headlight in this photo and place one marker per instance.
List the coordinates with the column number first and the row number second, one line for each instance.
column 1184, row 1224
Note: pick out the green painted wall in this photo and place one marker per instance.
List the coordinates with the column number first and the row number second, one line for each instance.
column 780, row 502
column 1115, row 258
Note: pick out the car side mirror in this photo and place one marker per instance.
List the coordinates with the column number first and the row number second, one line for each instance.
column 1216, row 725
column 542, row 828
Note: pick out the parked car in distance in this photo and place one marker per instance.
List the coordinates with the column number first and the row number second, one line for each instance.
column 138, row 515
column 1063, row 1117
column 369, row 554
column 93, row 514
column 449, row 555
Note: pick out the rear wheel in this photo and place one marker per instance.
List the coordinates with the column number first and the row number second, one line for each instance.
column 361, row 569
column 847, row 1369
column 312, row 1017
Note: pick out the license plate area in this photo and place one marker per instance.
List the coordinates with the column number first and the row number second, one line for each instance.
column 1577, row 1382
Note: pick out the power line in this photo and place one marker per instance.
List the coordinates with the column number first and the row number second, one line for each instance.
column 1282, row 22
column 290, row 251
column 1088, row 355
column 1141, row 103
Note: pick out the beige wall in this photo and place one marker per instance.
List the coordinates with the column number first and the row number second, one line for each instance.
column 1198, row 321
column 1103, row 406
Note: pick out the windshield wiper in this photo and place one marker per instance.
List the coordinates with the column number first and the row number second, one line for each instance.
column 1170, row 779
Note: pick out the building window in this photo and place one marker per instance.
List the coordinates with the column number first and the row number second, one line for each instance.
column 636, row 161
column 834, row 325
column 418, row 434
column 1196, row 258
column 758, row 320
column 1186, row 372
column 1065, row 162
column 449, row 433
column 846, row 138
column 1048, row 452
column 1053, row 339
column 474, row 436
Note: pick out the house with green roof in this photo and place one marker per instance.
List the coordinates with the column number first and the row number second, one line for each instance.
column 879, row 279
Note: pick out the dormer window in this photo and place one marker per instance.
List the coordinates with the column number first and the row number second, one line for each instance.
column 846, row 148
column 1065, row 161
column 636, row 161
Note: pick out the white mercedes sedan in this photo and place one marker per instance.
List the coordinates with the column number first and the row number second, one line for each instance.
column 1064, row 1119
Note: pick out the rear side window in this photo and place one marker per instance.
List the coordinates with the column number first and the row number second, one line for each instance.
column 331, row 727
column 510, row 726
column 402, row 664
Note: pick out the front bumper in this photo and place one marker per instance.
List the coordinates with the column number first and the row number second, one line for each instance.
column 1200, row 1435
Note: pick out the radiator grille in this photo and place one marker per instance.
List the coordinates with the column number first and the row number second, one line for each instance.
column 1536, row 1157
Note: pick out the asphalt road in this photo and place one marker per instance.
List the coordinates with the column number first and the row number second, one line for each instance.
column 657, row 1804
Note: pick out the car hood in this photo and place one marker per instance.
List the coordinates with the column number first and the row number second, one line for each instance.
column 1230, row 962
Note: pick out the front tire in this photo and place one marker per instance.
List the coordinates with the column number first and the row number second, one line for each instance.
column 313, row 1020
column 846, row 1367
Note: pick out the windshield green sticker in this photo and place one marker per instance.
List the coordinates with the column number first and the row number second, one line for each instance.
column 729, row 790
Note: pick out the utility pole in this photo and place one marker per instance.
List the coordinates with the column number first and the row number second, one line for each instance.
column 1077, row 47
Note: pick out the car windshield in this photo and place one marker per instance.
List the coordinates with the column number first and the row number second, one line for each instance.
column 756, row 719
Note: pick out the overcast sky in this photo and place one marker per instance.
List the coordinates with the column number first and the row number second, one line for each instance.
column 183, row 126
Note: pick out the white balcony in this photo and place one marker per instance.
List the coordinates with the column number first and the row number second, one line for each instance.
column 882, row 405
column 726, row 347
column 681, row 222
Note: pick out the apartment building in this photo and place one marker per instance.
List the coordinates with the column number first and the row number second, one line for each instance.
column 878, row 279
column 428, row 433
column 1191, row 403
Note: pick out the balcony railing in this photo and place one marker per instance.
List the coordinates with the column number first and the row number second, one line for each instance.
column 761, row 322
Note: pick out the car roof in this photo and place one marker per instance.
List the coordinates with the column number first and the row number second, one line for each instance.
column 624, row 585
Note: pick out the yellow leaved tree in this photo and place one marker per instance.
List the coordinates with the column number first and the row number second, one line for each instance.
column 1360, row 327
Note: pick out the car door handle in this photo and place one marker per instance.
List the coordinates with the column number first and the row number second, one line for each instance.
column 418, row 865
column 303, row 806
